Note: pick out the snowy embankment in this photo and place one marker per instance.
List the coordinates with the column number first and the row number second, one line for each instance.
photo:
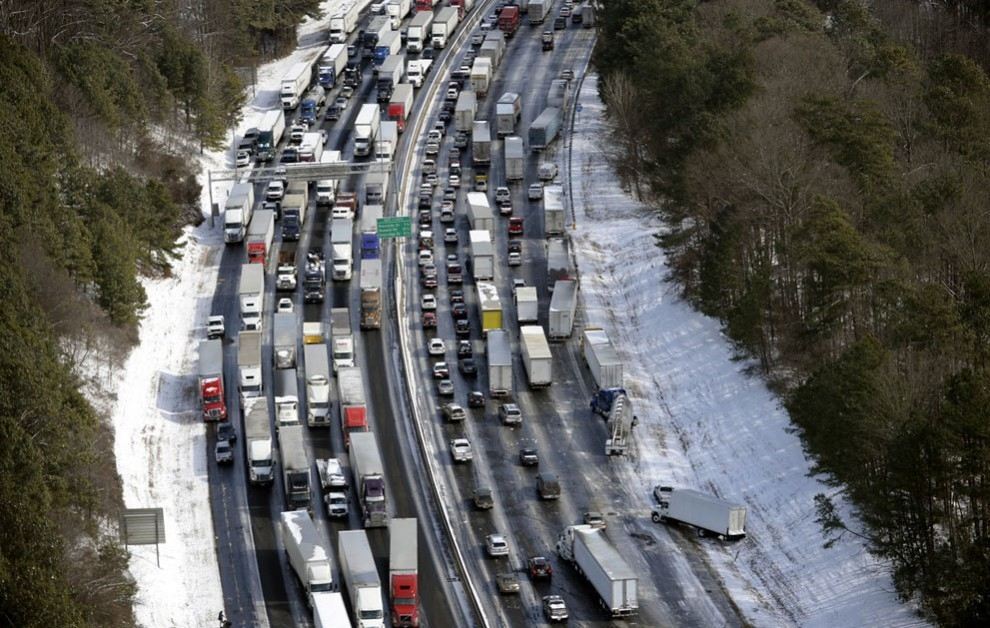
column 705, row 423
column 160, row 439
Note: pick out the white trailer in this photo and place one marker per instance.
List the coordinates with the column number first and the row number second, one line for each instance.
column 341, row 236
column 249, row 382
column 536, row 356
column 365, row 129
column 286, row 398
column 499, row 353
column 559, row 94
column 558, row 262
column 307, row 553
column 357, row 566
column 527, row 304
column 285, row 337
column 397, row 11
column 251, row 295
column 237, row 211
column 270, row 133
column 481, row 75
column 294, row 84
column 388, row 138
column 515, row 159
column 602, row 358
column 481, row 143
column 706, row 513
column 539, row 10
column 295, row 467
column 311, row 148
column 465, row 110
column 343, row 23
column 341, row 338
column 444, row 23
column 317, row 384
column 419, row 31
column 260, row 442
column 329, row 611
column 507, row 112
column 553, row 210
column 482, row 254
column 563, row 306
column 594, row 557
column 480, row 212
column 332, row 64
column 369, row 479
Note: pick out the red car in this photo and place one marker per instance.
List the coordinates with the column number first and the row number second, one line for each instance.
column 429, row 320
column 515, row 226
column 540, row 567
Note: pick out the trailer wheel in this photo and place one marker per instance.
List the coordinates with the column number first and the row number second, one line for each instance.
column 656, row 517
column 701, row 533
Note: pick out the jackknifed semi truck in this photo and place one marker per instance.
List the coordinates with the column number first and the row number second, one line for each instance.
column 706, row 513
column 602, row 566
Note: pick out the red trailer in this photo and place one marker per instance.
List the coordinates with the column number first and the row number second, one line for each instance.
column 260, row 235
column 508, row 20
column 403, row 572
column 425, row 5
column 211, row 391
column 400, row 104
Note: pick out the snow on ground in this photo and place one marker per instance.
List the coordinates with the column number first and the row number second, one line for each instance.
column 159, row 437
column 705, row 423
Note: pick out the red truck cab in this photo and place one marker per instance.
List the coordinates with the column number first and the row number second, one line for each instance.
column 508, row 20
column 353, row 419
column 214, row 406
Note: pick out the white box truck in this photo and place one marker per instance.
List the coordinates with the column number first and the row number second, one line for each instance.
column 365, row 129
column 237, row 212
column 601, row 564
column 707, row 513
column 251, row 295
column 481, row 75
column 480, row 212
column 341, row 338
column 294, row 84
column 527, row 304
column 602, row 358
column 482, row 254
column 507, row 112
column 465, row 110
column 260, row 443
column 249, row 382
column 553, row 210
column 515, row 159
column 563, row 305
column 317, row 384
column 286, row 398
column 357, row 566
column 307, row 553
column 499, row 353
column 537, row 359
column 343, row 24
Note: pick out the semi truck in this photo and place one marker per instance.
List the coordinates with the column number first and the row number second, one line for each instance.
column 341, row 338
column 397, row 11
column 539, row 10
column 559, row 94
column 369, row 476
column 490, row 307
column 515, row 159
column 294, row 84
column 314, row 276
column 312, row 102
column 463, row 6
column 389, row 75
column 286, row 275
column 481, row 75
column 286, row 398
column 481, row 143
column 507, row 112
column 616, row 408
column 343, row 23
column 260, row 236
column 284, row 338
column 294, row 207
column 388, row 44
column 307, row 553
column 345, row 206
column 587, row 549
column 371, row 294
column 416, row 70
column 465, row 110
column 370, row 246
column 482, row 254
column 295, row 467
column 329, row 611
column 357, row 566
column 251, row 295
column 499, row 353
column 492, row 48
column 400, row 105
column 508, row 20
column 537, row 359
column 444, row 23
column 237, row 212
column 706, row 513
column 270, row 133
column 317, row 384
column 365, row 129
column 260, row 443
column 419, row 30
column 341, row 235
column 553, row 210
column 249, row 382
column 403, row 571
column 602, row 358
column 376, row 30
column 527, row 304
column 332, row 64
column 352, row 403
column 543, row 131
column 558, row 262
column 211, row 388
column 480, row 212
column 388, row 139
column 563, row 305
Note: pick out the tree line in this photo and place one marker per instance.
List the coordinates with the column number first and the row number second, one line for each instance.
column 824, row 192
column 103, row 104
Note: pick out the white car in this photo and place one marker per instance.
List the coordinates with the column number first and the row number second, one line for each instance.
column 214, row 327
column 454, row 181
column 460, row 449
column 284, row 306
column 275, row 191
column 434, row 136
column 336, row 504
column 502, row 194
column 436, row 346
column 548, row 171
column 450, row 236
column 515, row 259
column 425, row 257
column 432, row 148
column 429, row 302
column 535, row 191
column 496, row 545
column 243, row 159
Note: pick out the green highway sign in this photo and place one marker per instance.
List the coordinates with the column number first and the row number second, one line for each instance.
column 395, row 227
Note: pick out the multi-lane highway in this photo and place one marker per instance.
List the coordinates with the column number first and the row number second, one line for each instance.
column 457, row 579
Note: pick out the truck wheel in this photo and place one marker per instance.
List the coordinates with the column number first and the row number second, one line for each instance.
column 656, row 518
column 701, row 533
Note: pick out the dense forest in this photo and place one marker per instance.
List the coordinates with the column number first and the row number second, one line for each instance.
column 823, row 170
column 103, row 104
